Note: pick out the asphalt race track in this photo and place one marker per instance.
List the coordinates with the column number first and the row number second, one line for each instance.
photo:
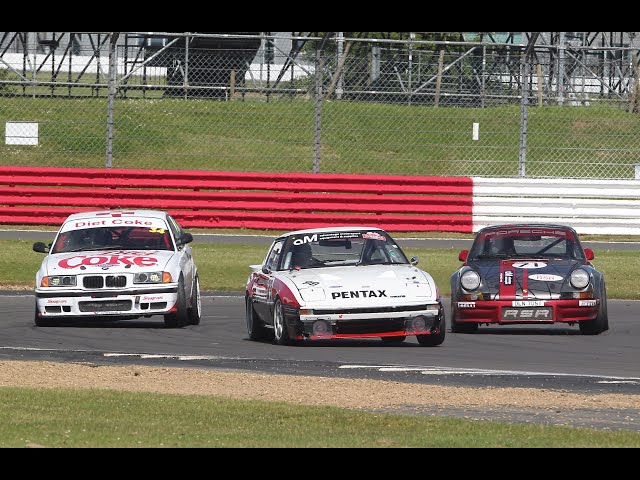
column 541, row 356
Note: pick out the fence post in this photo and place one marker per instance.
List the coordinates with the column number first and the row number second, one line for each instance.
column 113, row 72
column 318, row 112
column 522, row 160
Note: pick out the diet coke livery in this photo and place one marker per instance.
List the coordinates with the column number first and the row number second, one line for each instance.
column 528, row 274
column 343, row 282
column 118, row 265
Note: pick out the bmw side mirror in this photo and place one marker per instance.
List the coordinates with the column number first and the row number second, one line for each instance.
column 589, row 254
column 464, row 254
column 41, row 247
column 414, row 261
column 185, row 238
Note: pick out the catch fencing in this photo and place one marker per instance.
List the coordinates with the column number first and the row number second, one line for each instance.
column 531, row 105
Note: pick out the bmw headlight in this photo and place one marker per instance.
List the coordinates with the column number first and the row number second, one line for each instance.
column 470, row 280
column 152, row 277
column 59, row 281
column 579, row 278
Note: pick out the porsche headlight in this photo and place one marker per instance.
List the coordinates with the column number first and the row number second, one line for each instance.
column 579, row 278
column 59, row 281
column 152, row 277
column 470, row 280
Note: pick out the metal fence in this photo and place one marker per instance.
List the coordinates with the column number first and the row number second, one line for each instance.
column 539, row 105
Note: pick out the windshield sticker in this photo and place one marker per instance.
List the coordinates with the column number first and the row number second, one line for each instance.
column 159, row 231
column 373, row 236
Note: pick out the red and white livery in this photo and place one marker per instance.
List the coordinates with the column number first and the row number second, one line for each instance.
column 118, row 265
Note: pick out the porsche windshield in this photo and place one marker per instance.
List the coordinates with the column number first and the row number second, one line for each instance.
column 113, row 238
column 526, row 243
column 328, row 249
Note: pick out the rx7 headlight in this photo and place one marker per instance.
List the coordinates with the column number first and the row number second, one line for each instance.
column 153, row 277
column 470, row 280
column 579, row 278
column 59, row 281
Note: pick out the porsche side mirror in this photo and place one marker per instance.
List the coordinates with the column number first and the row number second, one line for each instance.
column 589, row 253
column 414, row 261
column 41, row 247
column 464, row 254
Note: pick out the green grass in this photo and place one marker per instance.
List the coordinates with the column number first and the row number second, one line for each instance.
column 357, row 137
column 225, row 267
column 108, row 419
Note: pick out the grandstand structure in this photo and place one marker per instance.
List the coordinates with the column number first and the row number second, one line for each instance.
column 572, row 63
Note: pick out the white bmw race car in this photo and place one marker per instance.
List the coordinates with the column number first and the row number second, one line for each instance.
column 344, row 282
column 118, row 265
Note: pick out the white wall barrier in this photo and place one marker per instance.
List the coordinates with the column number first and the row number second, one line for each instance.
column 601, row 207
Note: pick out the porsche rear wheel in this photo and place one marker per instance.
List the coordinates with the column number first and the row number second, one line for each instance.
column 280, row 332
column 255, row 328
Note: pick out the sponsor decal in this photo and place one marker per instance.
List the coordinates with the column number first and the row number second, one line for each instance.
column 306, row 239
column 529, row 265
column 360, row 294
column 545, row 277
column 373, row 236
column 514, row 232
column 507, row 278
column 466, row 304
column 53, row 301
column 151, row 299
column 113, row 221
column 587, row 303
column 526, row 314
column 107, row 260
column 527, row 303
column 311, row 283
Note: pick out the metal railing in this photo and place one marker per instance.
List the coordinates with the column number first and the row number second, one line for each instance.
column 542, row 106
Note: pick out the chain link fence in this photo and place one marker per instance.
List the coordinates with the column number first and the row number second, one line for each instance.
column 326, row 104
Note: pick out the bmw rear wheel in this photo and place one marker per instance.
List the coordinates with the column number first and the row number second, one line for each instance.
column 195, row 310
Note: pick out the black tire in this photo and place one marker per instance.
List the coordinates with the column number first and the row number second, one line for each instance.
column 195, row 308
column 280, row 331
column 393, row 340
column 601, row 322
column 255, row 328
column 434, row 339
column 461, row 327
column 41, row 322
column 180, row 317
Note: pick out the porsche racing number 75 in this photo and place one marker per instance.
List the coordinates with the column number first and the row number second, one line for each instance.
column 337, row 283
column 528, row 274
column 117, row 265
